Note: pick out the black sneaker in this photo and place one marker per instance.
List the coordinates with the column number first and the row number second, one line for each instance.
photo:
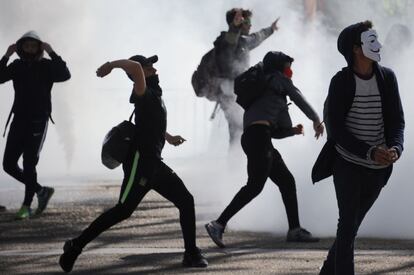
column 43, row 198
column 300, row 235
column 215, row 231
column 194, row 259
column 69, row 256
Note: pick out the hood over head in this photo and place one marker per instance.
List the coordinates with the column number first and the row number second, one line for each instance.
column 349, row 37
column 30, row 35
column 275, row 61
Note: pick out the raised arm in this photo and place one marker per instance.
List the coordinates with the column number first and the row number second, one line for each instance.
column 255, row 39
column 132, row 68
column 60, row 71
column 6, row 72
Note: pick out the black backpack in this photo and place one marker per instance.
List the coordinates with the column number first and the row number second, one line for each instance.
column 250, row 85
column 117, row 143
column 204, row 80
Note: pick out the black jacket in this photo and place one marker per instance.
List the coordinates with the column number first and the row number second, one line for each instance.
column 272, row 106
column 150, row 121
column 339, row 101
column 32, row 82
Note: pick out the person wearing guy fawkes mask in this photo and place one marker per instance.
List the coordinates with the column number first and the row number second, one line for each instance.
column 232, row 53
column 144, row 169
column 267, row 118
column 365, row 125
column 33, row 77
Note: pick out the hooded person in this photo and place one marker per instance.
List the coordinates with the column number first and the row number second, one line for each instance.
column 265, row 118
column 144, row 169
column 365, row 125
column 33, row 77
column 33, row 47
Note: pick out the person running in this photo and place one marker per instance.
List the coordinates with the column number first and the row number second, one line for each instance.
column 229, row 58
column 267, row 117
column 365, row 125
column 143, row 169
column 33, row 77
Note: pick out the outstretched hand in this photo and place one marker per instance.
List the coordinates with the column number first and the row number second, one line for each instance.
column 10, row 50
column 104, row 70
column 319, row 129
column 274, row 25
column 175, row 140
column 298, row 130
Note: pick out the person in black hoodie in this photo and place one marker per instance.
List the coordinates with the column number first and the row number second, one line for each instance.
column 144, row 169
column 33, row 77
column 232, row 55
column 265, row 118
column 365, row 125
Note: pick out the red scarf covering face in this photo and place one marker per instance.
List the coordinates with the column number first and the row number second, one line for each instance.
column 288, row 72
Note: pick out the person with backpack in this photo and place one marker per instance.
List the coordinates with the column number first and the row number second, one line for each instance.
column 267, row 117
column 230, row 57
column 144, row 169
column 365, row 126
column 33, row 77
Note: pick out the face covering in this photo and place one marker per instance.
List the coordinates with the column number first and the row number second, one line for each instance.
column 153, row 82
column 288, row 72
column 370, row 45
column 28, row 56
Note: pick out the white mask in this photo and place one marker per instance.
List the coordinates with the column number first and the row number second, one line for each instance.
column 370, row 45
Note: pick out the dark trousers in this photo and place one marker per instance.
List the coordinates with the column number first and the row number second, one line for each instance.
column 356, row 189
column 25, row 139
column 142, row 175
column 263, row 161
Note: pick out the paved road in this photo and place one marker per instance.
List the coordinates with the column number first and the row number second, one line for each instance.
column 150, row 242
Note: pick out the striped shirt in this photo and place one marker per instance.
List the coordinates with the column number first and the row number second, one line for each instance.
column 365, row 121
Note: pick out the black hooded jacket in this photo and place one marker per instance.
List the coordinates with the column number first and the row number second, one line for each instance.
column 33, row 80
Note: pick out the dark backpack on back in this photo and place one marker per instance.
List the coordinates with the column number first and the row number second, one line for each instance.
column 204, row 80
column 250, row 85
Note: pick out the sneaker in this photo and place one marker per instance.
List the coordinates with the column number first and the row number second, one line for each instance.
column 24, row 213
column 43, row 198
column 69, row 256
column 194, row 259
column 3, row 208
column 300, row 235
column 215, row 231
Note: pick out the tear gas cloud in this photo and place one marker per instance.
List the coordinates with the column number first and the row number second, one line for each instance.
column 89, row 33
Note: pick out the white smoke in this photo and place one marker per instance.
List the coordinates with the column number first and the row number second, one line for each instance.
column 89, row 33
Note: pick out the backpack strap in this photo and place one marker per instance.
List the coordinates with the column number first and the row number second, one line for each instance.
column 213, row 114
column 7, row 123
column 51, row 119
column 131, row 116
